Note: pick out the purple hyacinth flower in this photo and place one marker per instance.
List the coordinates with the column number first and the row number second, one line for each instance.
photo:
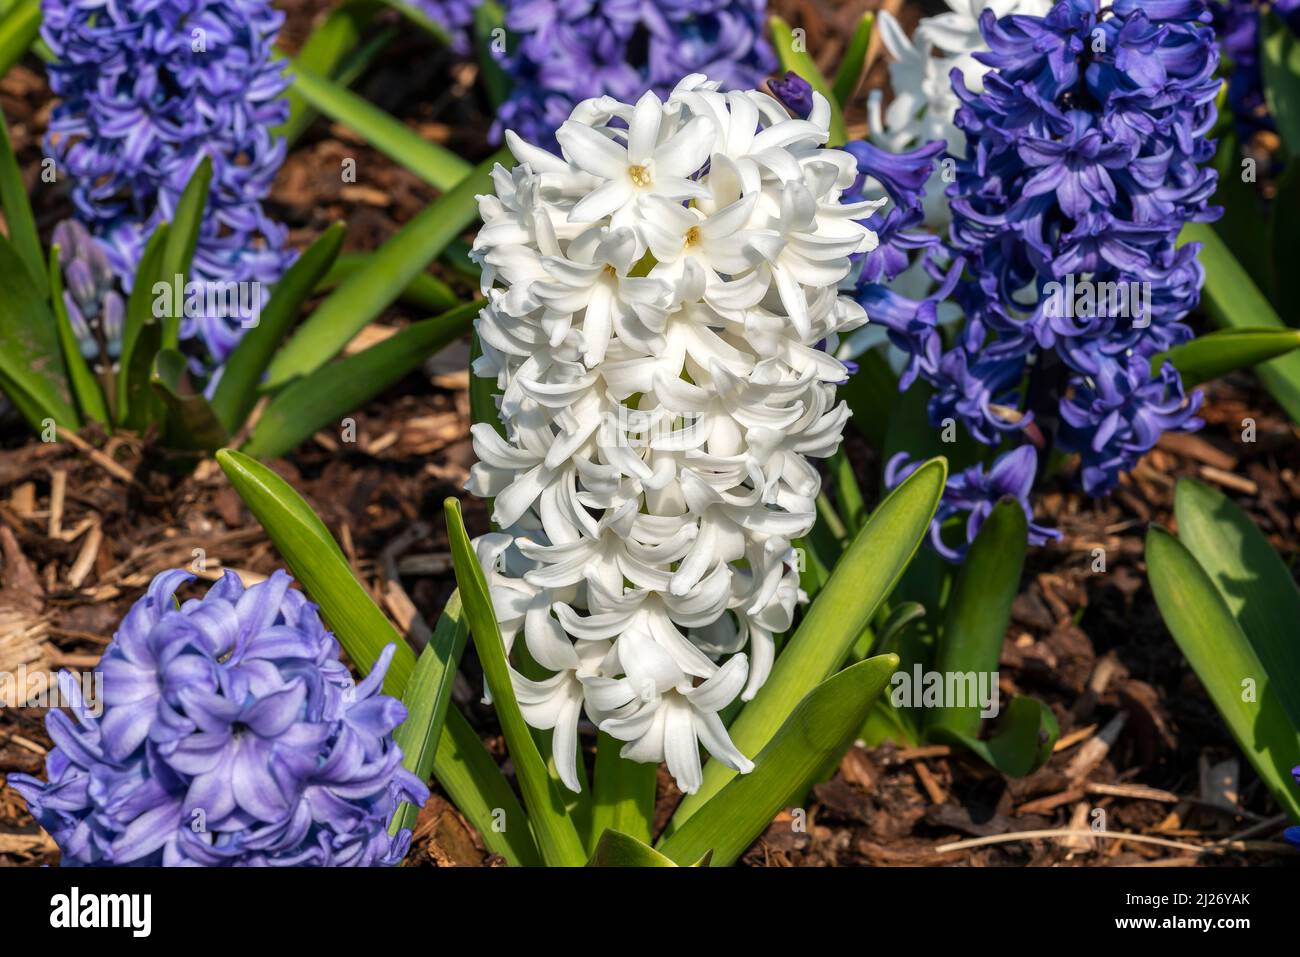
column 974, row 492
column 566, row 52
column 1087, row 152
column 148, row 89
column 228, row 734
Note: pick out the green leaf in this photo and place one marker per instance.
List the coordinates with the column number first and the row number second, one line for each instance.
column 436, row 165
column 427, row 696
column 17, row 32
column 862, row 579
column 1280, row 62
column 425, row 291
column 1023, row 742
column 365, row 294
column 979, row 610
column 316, row 560
column 489, row 18
column 556, row 835
column 133, row 380
column 236, row 393
column 853, row 63
column 182, row 240
column 192, row 426
column 1226, row 350
column 616, row 849
column 818, row 732
column 18, row 212
column 624, row 798
column 326, row 48
column 848, row 494
column 31, row 362
column 146, row 406
column 329, row 393
column 800, row 62
column 1252, row 580
column 1227, row 665
column 480, row 791
column 85, row 387
column 1235, row 302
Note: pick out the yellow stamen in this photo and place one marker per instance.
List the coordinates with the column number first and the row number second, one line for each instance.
column 640, row 176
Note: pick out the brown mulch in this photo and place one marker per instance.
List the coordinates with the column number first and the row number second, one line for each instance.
column 81, row 536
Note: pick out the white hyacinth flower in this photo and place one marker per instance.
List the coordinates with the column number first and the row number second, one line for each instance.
column 663, row 308
column 920, row 76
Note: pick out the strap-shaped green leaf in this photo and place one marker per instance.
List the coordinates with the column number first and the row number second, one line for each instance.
column 18, row 31
column 853, row 63
column 85, row 387
column 816, row 734
column 316, row 560
column 192, row 426
column 488, row 19
column 978, row 611
column 1022, row 743
column 480, row 791
column 31, row 362
column 863, row 578
column 425, row 291
column 436, row 165
column 18, row 212
column 324, row 396
column 624, row 799
column 427, row 697
column 795, row 58
column 133, row 379
column 237, row 391
column 182, row 240
column 1251, row 578
column 616, row 849
column 365, row 294
column 556, row 835
column 1226, row 350
column 1235, row 302
column 1242, row 690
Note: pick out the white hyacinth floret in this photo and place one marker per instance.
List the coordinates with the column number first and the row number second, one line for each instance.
column 663, row 308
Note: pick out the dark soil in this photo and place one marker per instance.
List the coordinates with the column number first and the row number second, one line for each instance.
column 81, row 536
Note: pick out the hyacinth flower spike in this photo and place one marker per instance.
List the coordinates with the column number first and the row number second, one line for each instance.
column 665, row 381
column 228, row 734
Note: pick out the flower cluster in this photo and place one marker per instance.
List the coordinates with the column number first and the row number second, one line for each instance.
column 1085, row 156
column 96, row 310
column 662, row 313
column 150, row 87
column 230, row 735
column 564, row 52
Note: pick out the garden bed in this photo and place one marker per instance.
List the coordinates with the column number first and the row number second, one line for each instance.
column 83, row 532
